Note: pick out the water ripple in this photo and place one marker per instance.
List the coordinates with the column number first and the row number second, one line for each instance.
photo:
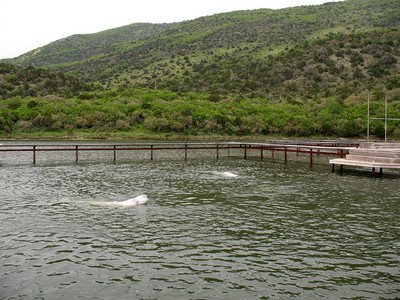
column 275, row 231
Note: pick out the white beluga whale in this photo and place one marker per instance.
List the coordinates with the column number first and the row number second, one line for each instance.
column 142, row 199
column 226, row 174
column 229, row 174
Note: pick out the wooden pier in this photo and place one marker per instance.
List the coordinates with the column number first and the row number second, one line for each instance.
column 371, row 155
column 332, row 148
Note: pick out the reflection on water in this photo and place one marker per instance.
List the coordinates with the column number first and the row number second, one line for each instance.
column 275, row 230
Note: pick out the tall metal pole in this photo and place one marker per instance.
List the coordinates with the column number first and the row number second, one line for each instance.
column 368, row 120
column 386, row 118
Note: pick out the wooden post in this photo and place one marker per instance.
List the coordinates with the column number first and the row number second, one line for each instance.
column 151, row 151
column 311, row 158
column 115, row 153
column 76, row 153
column 34, row 154
column 262, row 152
column 333, row 168
column 245, row 151
column 217, row 151
column 285, row 155
column 186, row 149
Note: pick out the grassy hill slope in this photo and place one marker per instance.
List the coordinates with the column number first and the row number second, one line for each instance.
column 148, row 54
column 80, row 47
column 301, row 71
column 36, row 82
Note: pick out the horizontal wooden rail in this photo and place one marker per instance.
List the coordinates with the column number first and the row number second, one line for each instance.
column 314, row 149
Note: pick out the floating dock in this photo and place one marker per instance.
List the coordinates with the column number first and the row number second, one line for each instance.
column 371, row 155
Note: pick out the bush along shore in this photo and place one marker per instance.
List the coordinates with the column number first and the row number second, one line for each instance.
column 130, row 113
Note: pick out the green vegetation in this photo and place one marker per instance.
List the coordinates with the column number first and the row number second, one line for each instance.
column 132, row 112
column 301, row 72
column 36, row 82
column 146, row 55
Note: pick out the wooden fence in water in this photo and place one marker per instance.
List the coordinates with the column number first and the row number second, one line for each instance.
column 333, row 148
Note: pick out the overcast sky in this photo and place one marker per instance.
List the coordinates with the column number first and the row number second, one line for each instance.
column 28, row 24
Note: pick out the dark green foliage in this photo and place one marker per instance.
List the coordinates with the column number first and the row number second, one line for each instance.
column 33, row 82
column 127, row 110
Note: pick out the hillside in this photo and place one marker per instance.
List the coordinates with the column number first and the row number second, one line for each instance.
column 304, row 71
column 35, row 82
column 338, row 65
column 181, row 56
column 81, row 47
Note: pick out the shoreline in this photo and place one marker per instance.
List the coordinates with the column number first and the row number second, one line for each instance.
column 80, row 135
column 177, row 137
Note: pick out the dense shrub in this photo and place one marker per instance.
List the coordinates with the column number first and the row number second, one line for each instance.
column 194, row 113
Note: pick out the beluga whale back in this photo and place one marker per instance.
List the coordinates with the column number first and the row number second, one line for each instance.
column 226, row 174
column 142, row 199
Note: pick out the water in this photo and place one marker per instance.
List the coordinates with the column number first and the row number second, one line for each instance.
column 276, row 231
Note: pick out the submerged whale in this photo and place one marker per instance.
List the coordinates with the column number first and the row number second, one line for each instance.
column 226, row 174
column 142, row 199
column 229, row 174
